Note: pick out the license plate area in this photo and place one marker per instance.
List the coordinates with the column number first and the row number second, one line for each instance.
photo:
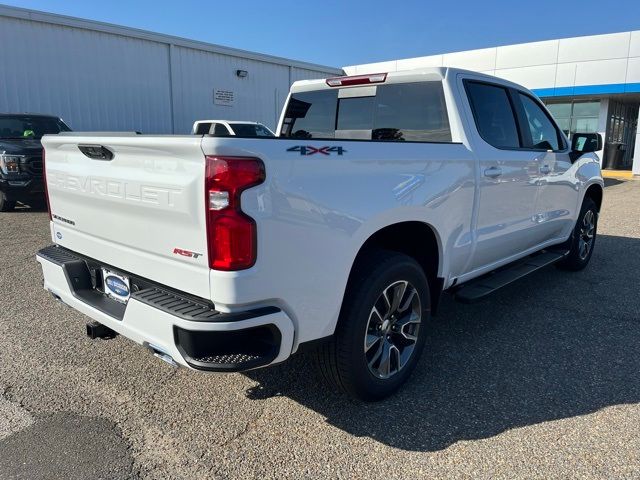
column 116, row 286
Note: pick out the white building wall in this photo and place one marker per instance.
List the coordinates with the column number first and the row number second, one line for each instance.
column 598, row 65
column 104, row 77
column 591, row 60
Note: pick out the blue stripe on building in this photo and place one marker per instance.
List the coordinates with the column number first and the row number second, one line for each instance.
column 605, row 89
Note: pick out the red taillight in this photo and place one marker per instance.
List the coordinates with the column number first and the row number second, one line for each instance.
column 357, row 80
column 44, row 181
column 231, row 234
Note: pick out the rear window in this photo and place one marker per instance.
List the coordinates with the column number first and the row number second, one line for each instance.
column 412, row 112
column 311, row 115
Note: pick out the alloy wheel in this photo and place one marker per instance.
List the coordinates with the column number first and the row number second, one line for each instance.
column 587, row 234
column 392, row 329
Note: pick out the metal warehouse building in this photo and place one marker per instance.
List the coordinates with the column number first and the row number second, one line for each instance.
column 98, row 76
column 590, row 84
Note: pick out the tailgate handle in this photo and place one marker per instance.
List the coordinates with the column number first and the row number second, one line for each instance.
column 96, row 152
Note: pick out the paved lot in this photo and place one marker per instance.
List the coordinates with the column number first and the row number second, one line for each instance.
column 542, row 380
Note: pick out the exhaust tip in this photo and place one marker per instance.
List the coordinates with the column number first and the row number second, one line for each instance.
column 98, row 330
column 161, row 354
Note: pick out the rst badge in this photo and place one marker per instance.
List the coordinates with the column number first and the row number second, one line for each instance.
column 309, row 150
column 186, row 253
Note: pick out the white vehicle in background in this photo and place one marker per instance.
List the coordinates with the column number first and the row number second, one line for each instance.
column 382, row 192
column 226, row 128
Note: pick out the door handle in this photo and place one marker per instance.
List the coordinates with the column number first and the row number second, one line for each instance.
column 545, row 169
column 492, row 172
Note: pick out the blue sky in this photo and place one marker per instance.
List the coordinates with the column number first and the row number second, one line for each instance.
column 340, row 33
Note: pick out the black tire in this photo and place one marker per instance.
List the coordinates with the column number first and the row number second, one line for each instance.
column 583, row 237
column 6, row 205
column 343, row 362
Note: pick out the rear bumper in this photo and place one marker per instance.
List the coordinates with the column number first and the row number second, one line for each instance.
column 169, row 323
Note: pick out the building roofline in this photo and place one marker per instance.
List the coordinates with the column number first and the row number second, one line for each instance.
column 64, row 20
column 493, row 47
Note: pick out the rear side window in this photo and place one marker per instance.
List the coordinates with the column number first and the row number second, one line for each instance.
column 493, row 114
column 414, row 112
column 544, row 135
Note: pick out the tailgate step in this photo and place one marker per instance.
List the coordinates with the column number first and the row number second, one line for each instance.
column 175, row 304
column 481, row 287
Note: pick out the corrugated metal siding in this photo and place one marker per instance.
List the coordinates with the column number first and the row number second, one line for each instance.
column 98, row 80
column 198, row 73
column 95, row 81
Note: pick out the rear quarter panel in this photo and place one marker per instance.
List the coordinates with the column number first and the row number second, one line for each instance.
column 314, row 212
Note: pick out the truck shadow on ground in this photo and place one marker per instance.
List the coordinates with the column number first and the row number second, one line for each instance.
column 551, row 346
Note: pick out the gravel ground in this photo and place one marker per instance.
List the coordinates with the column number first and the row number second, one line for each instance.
column 541, row 380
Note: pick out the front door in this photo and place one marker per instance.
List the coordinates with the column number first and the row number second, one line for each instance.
column 558, row 192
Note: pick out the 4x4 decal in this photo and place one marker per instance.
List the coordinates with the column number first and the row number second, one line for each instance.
column 308, row 150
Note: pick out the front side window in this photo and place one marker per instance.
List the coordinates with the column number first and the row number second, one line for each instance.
column 413, row 112
column 493, row 114
column 544, row 135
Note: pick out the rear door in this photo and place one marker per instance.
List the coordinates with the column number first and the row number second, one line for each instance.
column 508, row 176
column 140, row 211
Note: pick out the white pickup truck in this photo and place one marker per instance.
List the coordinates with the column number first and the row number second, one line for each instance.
column 380, row 193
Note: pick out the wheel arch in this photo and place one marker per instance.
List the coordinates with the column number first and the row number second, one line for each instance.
column 416, row 239
column 595, row 191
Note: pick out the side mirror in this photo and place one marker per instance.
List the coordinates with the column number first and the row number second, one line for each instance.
column 586, row 142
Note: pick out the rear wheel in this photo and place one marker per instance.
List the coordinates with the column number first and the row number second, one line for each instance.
column 5, row 204
column 382, row 327
column 583, row 238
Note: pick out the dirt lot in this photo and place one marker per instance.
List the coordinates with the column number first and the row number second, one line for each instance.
column 541, row 380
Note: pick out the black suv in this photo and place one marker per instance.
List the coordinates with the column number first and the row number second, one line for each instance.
column 21, row 157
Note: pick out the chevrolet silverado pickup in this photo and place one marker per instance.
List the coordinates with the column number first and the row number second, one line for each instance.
column 379, row 193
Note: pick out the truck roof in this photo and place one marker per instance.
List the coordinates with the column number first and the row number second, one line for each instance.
column 230, row 122
column 27, row 114
column 414, row 75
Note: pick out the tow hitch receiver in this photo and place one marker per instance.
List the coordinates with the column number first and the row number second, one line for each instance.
column 98, row 330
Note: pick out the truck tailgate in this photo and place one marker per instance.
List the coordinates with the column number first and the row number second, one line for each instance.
column 141, row 212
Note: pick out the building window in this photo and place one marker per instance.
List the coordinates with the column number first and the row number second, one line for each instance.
column 576, row 116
